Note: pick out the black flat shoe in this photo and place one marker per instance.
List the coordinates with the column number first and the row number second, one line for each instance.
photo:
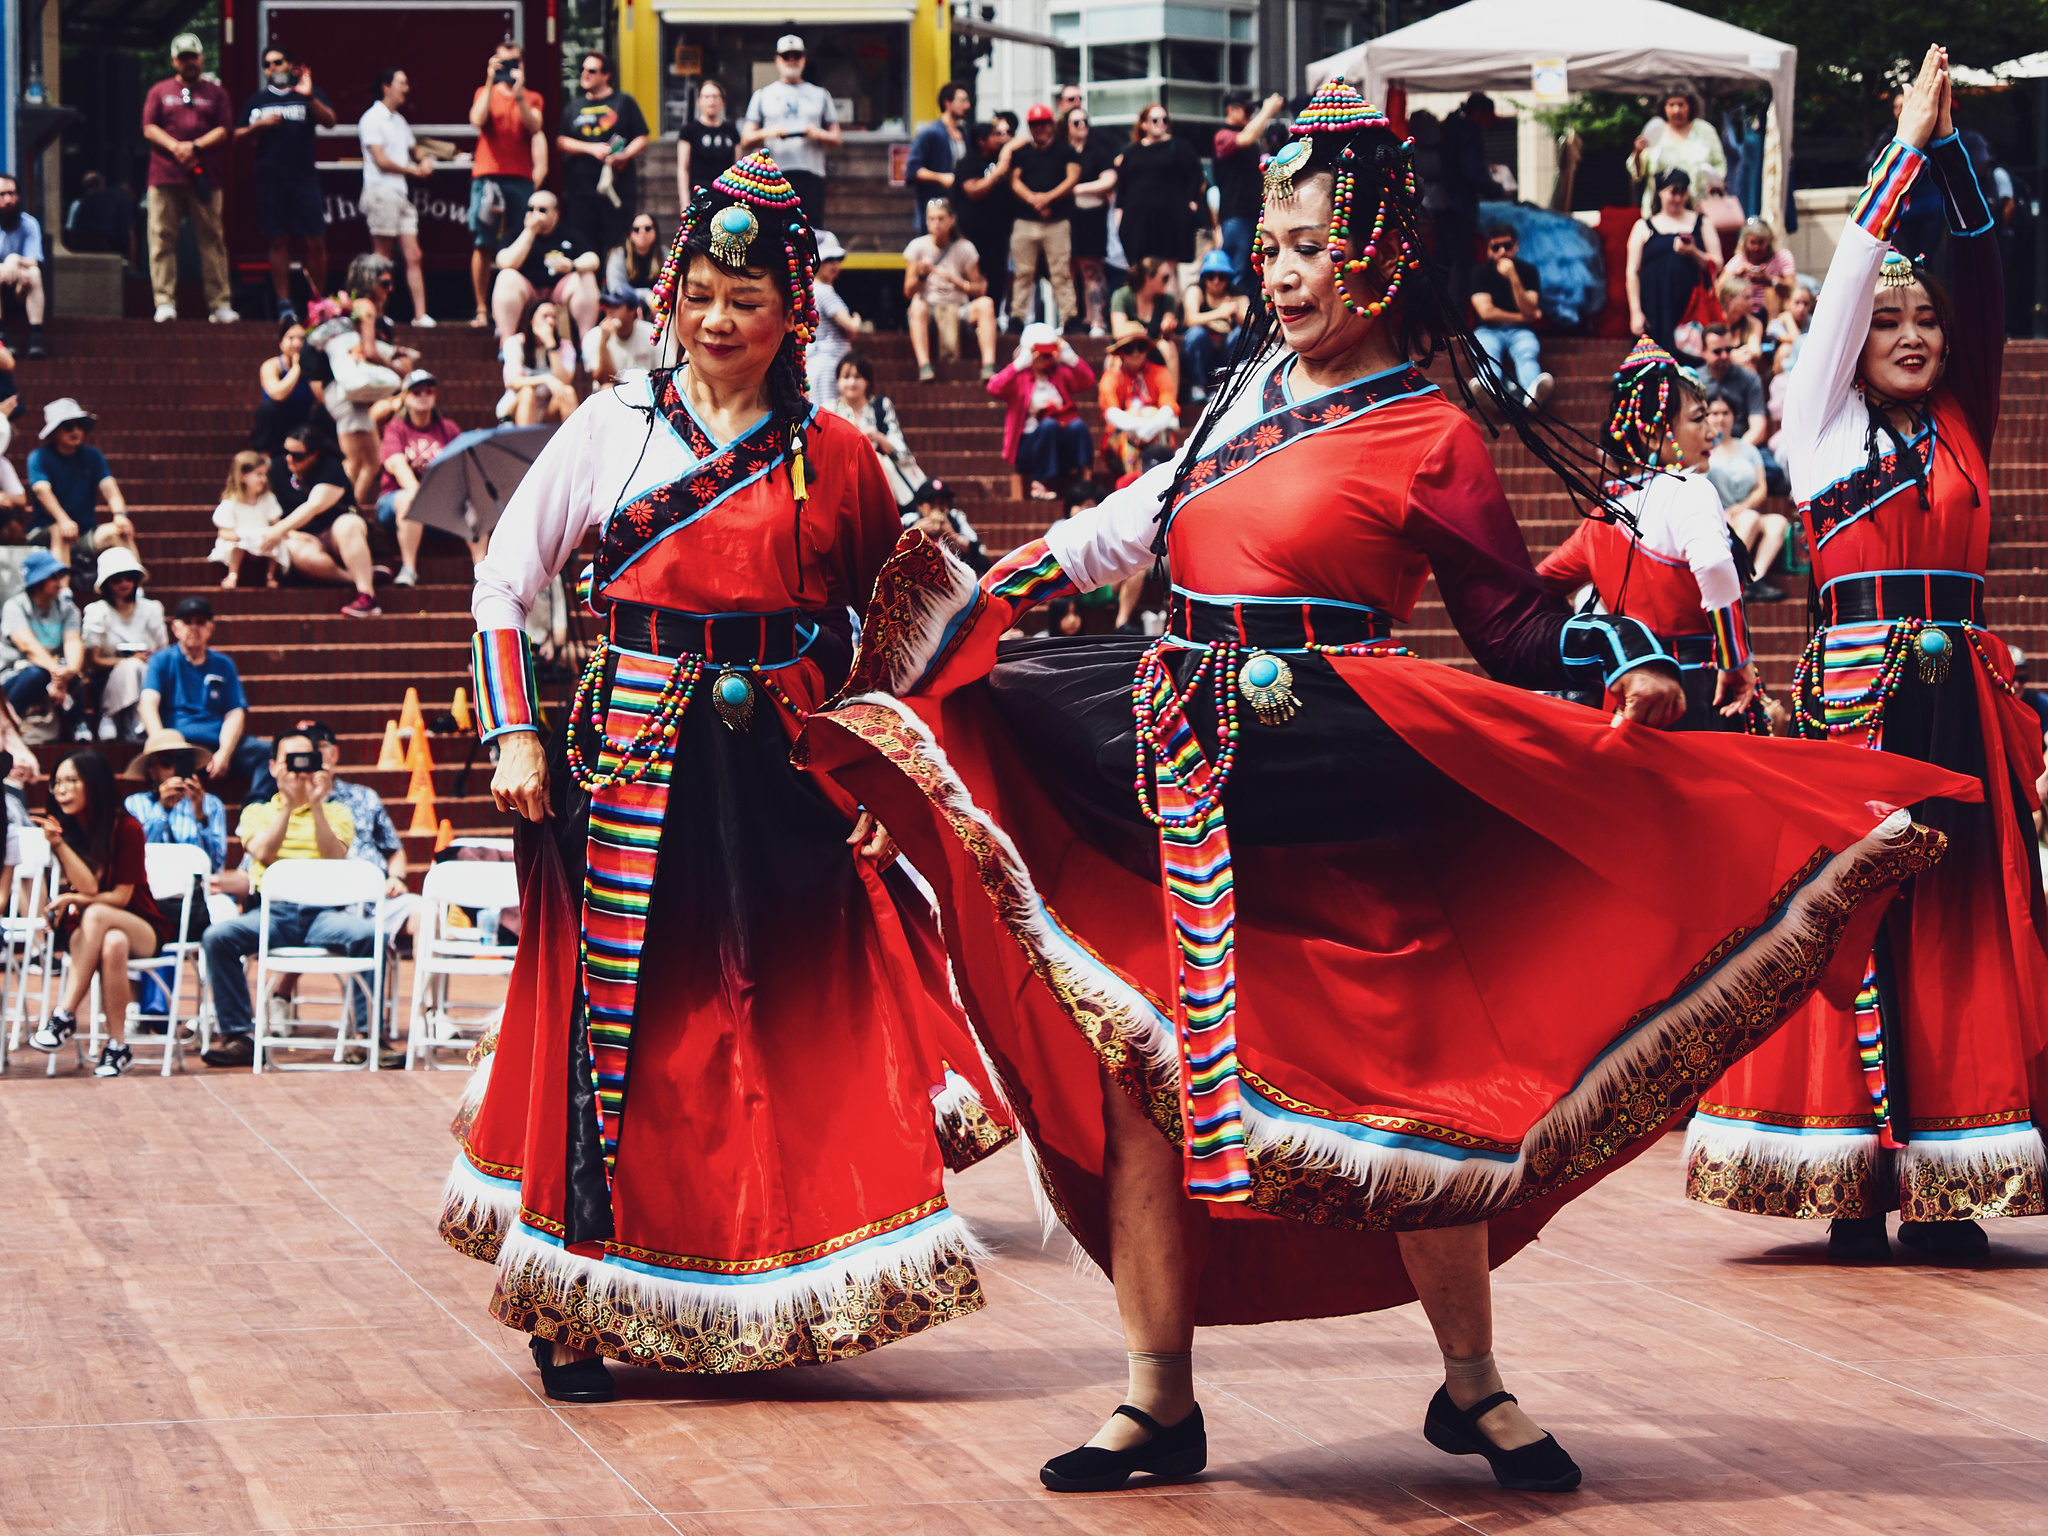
column 1181, row 1451
column 1542, row 1467
column 1858, row 1240
column 587, row 1381
column 1946, row 1242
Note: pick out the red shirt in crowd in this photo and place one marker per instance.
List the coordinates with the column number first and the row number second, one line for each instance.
column 505, row 148
column 187, row 113
column 420, row 445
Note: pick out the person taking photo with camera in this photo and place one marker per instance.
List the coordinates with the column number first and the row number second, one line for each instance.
column 511, row 160
column 301, row 821
column 283, row 117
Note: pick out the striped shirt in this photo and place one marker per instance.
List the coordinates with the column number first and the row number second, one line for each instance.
column 181, row 824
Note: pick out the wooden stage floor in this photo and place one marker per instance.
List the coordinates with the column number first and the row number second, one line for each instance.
column 225, row 1310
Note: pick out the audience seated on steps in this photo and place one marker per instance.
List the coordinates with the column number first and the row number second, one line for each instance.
column 69, row 478
column 42, row 651
column 121, row 632
column 196, row 691
column 243, row 521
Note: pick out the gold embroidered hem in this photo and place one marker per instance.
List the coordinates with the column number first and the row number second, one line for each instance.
column 1934, row 1191
column 861, row 1316
column 1850, row 1186
column 967, row 1133
column 471, row 1229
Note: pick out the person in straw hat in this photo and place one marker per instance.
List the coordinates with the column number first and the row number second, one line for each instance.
column 121, row 632
column 176, row 807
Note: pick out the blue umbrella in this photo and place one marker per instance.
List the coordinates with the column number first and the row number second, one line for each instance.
column 465, row 489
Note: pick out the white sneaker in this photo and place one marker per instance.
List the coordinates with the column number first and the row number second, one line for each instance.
column 424, row 322
column 166, row 312
column 406, row 577
column 225, row 315
column 1540, row 390
column 279, row 1016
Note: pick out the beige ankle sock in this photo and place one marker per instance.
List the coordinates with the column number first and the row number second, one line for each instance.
column 1162, row 1385
column 1471, row 1378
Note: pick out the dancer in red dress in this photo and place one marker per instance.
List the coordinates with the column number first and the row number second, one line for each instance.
column 730, row 1072
column 1378, row 962
column 1669, row 559
column 1925, row 1095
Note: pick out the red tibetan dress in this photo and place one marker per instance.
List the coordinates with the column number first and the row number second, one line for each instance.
column 1442, row 951
column 730, row 1074
column 1675, row 571
column 1927, row 1095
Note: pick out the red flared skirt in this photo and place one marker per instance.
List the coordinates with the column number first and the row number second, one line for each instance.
column 1487, row 946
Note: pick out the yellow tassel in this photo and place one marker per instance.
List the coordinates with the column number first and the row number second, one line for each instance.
column 796, row 476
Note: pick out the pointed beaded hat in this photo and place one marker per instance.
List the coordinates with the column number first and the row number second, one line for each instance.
column 1338, row 108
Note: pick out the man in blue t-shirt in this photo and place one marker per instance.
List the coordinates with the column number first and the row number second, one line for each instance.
column 67, row 478
column 198, row 693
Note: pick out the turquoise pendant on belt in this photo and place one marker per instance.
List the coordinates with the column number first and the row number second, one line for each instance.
column 732, row 695
column 1267, row 684
column 1934, row 647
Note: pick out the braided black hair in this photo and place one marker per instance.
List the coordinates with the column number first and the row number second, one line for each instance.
column 1431, row 322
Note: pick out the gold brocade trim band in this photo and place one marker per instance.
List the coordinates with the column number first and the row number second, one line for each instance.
column 1849, row 1184
column 859, row 1318
column 1933, row 1191
column 1665, row 1084
column 1848, row 1124
column 1395, row 1125
column 685, row 1264
column 968, row 1133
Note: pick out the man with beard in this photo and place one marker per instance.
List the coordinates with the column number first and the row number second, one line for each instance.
column 21, row 259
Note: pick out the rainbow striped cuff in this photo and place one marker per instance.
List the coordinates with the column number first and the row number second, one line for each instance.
column 1730, row 631
column 1884, row 194
column 507, row 697
column 1028, row 574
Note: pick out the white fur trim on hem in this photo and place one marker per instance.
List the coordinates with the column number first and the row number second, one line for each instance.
column 1781, row 1149
column 468, row 1192
column 912, row 1259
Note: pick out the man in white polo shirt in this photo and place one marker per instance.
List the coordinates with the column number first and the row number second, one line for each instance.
column 793, row 121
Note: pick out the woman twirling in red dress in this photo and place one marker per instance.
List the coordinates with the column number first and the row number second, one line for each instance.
column 1378, row 962
column 730, row 1073
column 1924, row 1093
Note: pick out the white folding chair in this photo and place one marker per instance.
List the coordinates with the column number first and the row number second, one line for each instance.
column 23, row 936
column 441, row 952
column 322, row 883
column 172, row 869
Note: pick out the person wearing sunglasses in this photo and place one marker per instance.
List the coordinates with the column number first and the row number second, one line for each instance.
column 792, row 122
column 1161, row 190
column 637, row 262
column 1508, row 299
column 187, row 119
column 283, row 117
column 602, row 133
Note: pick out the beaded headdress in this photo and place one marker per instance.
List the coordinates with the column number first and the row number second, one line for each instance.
column 1896, row 270
column 1644, row 390
column 751, row 202
column 1338, row 109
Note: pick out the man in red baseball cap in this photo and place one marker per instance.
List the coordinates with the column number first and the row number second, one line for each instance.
column 1043, row 174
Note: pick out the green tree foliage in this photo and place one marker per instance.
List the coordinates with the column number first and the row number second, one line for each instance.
column 1852, row 53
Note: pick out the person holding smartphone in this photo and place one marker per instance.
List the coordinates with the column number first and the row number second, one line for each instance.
column 283, row 117
column 121, row 632
column 511, row 160
column 301, row 821
column 1671, row 252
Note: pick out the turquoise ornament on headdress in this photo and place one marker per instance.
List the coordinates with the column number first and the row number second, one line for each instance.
column 1896, row 272
column 732, row 230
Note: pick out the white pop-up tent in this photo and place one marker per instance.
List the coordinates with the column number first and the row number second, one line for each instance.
column 1604, row 45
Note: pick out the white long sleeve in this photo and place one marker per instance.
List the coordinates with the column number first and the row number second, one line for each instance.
column 1700, row 529
column 1112, row 539
column 547, row 518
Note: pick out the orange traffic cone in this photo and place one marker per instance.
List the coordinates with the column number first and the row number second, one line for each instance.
column 445, row 836
column 391, row 754
column 409, row 717
column 421, row 790
column 423, row 819
column 419, row 755
column 460, row 710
